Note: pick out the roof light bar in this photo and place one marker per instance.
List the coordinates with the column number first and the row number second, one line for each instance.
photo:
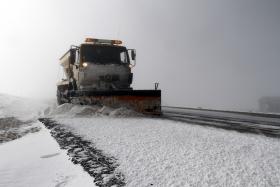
column 103, row 41
column 116, row 42
column 90, row 40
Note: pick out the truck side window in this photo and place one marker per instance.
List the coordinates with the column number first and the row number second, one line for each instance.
column 123, row 57
column 77, row 60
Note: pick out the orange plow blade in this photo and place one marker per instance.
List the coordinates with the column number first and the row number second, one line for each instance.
column 143, row 101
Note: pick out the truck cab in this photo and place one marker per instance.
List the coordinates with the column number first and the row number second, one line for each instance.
column 98, row 65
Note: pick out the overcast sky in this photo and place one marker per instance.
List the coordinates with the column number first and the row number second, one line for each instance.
column 222, row 54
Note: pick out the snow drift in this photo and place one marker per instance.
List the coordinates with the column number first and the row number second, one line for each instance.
column 72, row 111
column 21, row 108
column 18, row 116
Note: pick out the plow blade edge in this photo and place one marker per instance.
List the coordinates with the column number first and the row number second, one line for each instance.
column 143, row 101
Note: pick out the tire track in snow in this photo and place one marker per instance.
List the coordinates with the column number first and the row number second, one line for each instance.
column 82, row 152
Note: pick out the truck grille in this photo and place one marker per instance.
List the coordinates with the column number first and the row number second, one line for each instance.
column 109, row 78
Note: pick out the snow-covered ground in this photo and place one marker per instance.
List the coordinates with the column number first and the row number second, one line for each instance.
column 148, row 151
column 37, row 160
column 33, row 158
column 166, row 153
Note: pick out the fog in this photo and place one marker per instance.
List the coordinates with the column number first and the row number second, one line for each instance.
column 221, row 54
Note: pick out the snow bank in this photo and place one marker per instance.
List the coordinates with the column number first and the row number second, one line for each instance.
column 71, row 110
column 18, row 116
column 36, row 160
column 31, row 109
column 167, row 153
column 21, row 108
column 12, row 128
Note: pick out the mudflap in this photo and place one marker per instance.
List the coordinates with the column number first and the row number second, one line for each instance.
column 143, row 101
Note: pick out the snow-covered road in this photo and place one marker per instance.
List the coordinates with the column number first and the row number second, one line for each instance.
column 167, row 153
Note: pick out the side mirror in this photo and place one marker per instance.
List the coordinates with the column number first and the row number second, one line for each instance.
column 133, row 54
column 72, row 56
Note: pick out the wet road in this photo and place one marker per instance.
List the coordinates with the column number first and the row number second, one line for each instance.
column 259, row 123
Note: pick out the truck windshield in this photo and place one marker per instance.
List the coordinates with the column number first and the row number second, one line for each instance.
column 104, row 54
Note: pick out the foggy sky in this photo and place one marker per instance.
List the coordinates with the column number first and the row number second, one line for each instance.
column 221, row 54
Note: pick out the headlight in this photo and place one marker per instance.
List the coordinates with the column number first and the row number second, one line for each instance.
column 85, row 64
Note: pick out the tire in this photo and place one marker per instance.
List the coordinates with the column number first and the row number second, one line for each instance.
column 58, row 97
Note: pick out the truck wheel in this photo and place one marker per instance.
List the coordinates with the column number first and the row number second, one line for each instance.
column 58, row 97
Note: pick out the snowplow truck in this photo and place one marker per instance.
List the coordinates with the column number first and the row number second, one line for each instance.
column 98, row 72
